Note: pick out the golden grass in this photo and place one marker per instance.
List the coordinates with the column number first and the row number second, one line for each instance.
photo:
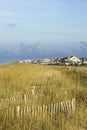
column 54, row 84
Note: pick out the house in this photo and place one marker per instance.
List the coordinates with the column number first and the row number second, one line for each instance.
column 21, row 61
column 85, row 61
column 74, row 60
column 26, row 61
column 45, row 61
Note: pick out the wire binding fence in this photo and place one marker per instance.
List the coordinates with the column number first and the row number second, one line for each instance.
column 43, row 110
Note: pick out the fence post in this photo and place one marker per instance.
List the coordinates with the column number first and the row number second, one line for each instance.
column 56, row 110
column 73, row 105
column 21, row 112
column 69, row 106
column 32, row 111
column 25, row 98
column 35, row 110
column 18, row 111
column 24, row 110
column 12, row 112
column 27, row 110
column 62, row 109
column 43, row 110
column 46, row 108
column 64, row 106
column 38, row 110
column 51, row 110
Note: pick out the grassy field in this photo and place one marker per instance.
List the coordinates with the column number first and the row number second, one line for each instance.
column 53, row 84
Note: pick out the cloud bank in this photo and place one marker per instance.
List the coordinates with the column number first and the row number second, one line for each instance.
column 36, row 51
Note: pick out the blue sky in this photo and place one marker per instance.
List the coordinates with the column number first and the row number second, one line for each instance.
column 54, row 24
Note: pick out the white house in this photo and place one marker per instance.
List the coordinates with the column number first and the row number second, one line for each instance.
column 85, row 62
column 26, row 61
column 21, row 61
column 74, row 60
column 45, row 61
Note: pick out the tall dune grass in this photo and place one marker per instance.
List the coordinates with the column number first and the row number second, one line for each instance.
column 54, row 84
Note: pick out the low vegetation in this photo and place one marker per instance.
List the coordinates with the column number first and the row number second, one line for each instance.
column 51, row 84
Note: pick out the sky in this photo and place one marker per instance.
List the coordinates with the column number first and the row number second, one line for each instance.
column 34, row 28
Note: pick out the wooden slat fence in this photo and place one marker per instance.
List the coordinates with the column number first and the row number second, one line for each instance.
column 43, row 110
column 22, row 97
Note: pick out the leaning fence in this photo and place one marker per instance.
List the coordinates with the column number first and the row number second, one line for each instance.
column 41, row 110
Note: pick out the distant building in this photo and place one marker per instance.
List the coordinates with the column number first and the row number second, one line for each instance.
column 26, row 61
column 45, row 61
column 85, row 61
column 74, row 60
